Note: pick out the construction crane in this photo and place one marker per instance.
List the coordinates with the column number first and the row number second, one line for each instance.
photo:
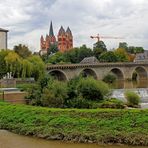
column 98, row 37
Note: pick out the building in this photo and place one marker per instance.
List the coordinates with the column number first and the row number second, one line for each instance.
column 141, row 56
column 64, row 40
column 3, row 38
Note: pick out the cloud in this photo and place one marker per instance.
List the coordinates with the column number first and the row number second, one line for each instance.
column 28, row 19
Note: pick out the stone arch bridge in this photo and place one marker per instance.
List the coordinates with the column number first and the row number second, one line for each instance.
column 123, row 71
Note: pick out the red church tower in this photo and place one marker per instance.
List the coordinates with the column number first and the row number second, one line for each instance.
column 65, row 40
column 48, row 41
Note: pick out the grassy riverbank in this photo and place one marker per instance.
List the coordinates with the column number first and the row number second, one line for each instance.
column 98, row 125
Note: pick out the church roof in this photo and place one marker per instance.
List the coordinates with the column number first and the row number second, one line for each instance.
column 61, row 31
column 89, row 60
column 51, row 30
column 68, row 31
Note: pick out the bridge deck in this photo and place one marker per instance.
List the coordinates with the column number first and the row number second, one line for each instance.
column 71, row 66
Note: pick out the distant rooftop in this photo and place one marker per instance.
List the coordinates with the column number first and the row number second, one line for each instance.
column 89, row 60
column 3, row 30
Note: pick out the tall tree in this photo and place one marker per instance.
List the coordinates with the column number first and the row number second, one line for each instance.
column 22, row 50
column 3, row 67
column 121, row 55
column 99, row 47
column 38, row 68
column 123, row 45
column 53, row 49
column 109, row 56
column 13, row 63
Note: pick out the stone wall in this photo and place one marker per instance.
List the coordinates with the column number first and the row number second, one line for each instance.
column 13, row 97
column 7, row 83
column 3, row 40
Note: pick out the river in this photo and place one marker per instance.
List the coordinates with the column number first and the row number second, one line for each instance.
column 11, row 140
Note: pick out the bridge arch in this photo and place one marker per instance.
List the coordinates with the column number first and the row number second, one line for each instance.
column 139, row 73
column 86, row 72
column 58, row 74
column 118, row 73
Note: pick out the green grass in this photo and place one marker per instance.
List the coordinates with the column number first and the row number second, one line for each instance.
column 81, row 125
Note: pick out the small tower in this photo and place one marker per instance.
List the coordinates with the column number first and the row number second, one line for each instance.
column 42, row 42
column 62, row 40
column 52, row 38
column 48, row 41
column 69, row 38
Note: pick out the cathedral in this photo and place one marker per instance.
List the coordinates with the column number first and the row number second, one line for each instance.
column 64, row 40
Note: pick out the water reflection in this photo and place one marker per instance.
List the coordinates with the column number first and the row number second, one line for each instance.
column 121, row 84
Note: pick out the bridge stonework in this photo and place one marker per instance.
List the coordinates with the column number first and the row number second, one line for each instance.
column 99, row 70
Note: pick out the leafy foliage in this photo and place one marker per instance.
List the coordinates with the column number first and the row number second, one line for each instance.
column 22, row 50
column 109, row 56
column 112, row 103
column 99, row 47
column 38, row 68
column 133, row 99
column 121, row 54
column 109, row 78
column 55, row 94
column 3, row 66
column 13, row 63
column 97, row 125
column 91, row 89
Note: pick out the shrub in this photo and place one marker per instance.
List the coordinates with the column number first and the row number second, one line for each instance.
column 112, row 103
column 34, row 95
column 54, row 95
column 133, row 99
column 26, row 86
column 92, row 89
column 79, row 102
column 110, row 78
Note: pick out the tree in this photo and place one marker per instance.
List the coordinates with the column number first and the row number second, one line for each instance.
column 27, row 68
column 84, row 52
column 76, row 55
column 22, row 50
column 135, row 50
column 55, row 94
column 55, row 58
column 13, row 63
column 109, row 56
column 90, row 89
column 38, row 68
column 3, row 66
column 123, row 45
column 99, row 47
column 121, row 55
column 53, row 49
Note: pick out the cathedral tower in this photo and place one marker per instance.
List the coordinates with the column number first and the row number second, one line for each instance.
column 48, row 41
column 65, row 40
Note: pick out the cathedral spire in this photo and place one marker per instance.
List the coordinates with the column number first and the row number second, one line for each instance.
column 51, row 30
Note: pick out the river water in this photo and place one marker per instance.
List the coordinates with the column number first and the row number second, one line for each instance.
column 10, row 140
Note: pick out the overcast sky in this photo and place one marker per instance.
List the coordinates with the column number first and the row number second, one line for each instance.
column 27, row 20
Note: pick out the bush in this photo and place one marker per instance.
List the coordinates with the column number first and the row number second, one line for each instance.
column 25, row 86
column 92, row 89
column 112, row 103
column 110, row 78
column 54, row 95
column 79, row 102
column 133, row 99
column 34, row 95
